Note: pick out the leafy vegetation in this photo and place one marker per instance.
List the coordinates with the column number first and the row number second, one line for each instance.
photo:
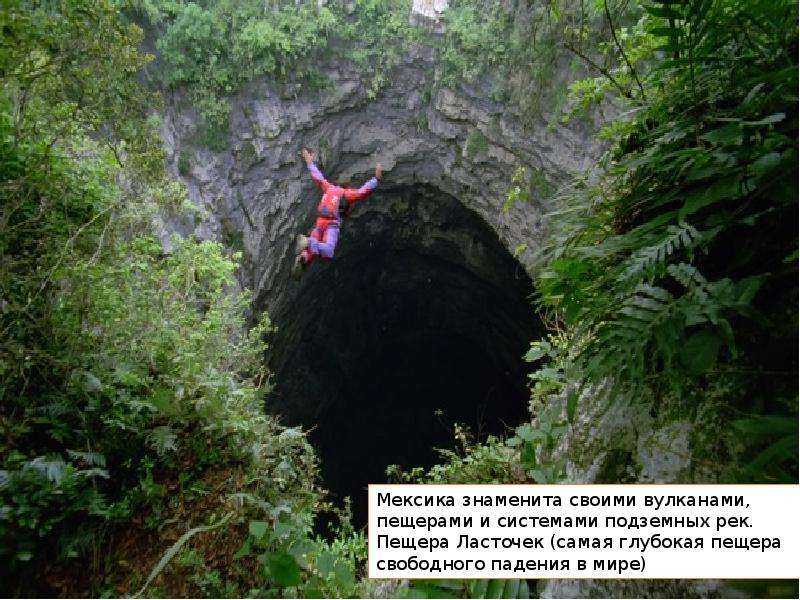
column 209, row 50
column 184, row 162
column 132, row 392
column 647, row 285
column 647, row 271
column 131, row 383
column 475, row 143
column 375, row 37
column 529, row 53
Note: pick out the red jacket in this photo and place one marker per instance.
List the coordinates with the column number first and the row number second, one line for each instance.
column 328, row 207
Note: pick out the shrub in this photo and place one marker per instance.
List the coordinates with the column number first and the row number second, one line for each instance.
column 646, row 268
column 184, row 162
column 475, row 144
column 129, row 376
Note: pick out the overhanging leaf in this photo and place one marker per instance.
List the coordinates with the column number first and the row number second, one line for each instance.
column 729, row 135
column 258, row 529
column 572, row 404
column 701, row 350
column 283, row 569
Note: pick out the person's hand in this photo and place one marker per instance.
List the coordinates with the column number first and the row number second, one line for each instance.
column 378, row 171
column 308, row 155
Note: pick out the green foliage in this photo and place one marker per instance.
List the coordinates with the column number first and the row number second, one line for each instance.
column 192, row 42
column 477, row 38
column 68, row 70
column 184, row 162
column 291, row 561
column 770, row 451
column 475, row 144
column 210, row 51
column 128, row 374
column 526, row 185
column 490, row 461
column 526, row 51
column 376, row 37
column 248, row 156
column 646, row 267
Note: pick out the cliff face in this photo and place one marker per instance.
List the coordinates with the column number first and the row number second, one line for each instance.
column 426, row 306
column 455, row 141
column 429, row 289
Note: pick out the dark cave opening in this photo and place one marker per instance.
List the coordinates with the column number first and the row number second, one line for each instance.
column 419, row 323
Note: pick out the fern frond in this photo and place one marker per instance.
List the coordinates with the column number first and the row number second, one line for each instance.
column 648, row 261
column 95, row 472
column 93, row 459
column 687, row 275
column 162, row 439
column 51, row 467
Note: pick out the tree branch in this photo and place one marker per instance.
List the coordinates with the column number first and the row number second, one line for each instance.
column 602, row 70
column 621, row 51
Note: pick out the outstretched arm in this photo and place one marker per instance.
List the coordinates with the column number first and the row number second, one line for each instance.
column 354, row 195
column 316, row 174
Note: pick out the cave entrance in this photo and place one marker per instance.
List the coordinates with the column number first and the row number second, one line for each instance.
column 419, row 323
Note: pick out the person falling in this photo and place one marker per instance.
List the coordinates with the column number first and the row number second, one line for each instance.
column 336, row 202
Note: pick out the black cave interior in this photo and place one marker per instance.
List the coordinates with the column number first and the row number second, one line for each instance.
column 419, row 323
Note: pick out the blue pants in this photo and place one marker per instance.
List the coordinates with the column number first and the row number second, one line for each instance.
column 322, row 240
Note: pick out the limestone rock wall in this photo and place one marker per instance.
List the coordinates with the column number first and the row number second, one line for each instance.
column 257, row 193
column 256, row 196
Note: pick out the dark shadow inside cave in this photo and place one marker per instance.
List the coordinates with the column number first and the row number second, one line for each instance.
column 418, row 323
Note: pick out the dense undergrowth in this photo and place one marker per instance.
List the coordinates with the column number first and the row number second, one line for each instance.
column 132, row 392
column 208, row 51
column 672, row 273
column 669, row 277
column 526, row 54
